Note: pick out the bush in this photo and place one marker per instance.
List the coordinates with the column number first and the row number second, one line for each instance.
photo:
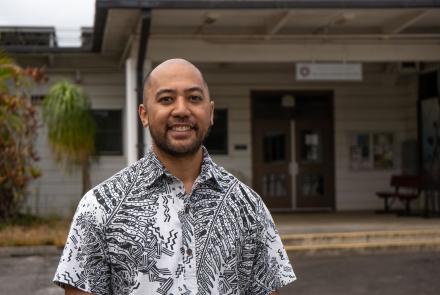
column 18, row 125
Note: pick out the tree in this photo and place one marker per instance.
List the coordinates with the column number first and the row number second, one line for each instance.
column 71, row 128
column 18, row 125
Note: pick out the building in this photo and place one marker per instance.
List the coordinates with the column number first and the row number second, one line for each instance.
column 318, row 102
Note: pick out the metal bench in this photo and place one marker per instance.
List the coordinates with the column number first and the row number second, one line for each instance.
column 407, row 188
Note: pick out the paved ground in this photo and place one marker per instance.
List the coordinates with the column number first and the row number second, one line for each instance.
column 288, row 223
column 384, row 274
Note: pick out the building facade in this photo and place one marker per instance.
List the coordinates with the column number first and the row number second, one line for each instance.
column 317, row 102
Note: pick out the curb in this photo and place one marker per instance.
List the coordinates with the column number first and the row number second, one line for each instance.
column 19, row 251
column 365, row 242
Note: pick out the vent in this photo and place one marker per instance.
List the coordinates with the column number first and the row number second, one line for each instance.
column 28, row 36
column 409, row 67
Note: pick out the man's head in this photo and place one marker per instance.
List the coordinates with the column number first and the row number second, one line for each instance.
column 177, row 107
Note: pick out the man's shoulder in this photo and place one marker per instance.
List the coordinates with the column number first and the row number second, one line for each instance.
column 241, row 192
column 117, row 186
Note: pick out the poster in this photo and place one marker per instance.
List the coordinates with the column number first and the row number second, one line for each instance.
column 372, row 150
column 360, row 151
column 383, row 150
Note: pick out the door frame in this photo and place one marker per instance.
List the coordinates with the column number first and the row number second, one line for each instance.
column 297, row 92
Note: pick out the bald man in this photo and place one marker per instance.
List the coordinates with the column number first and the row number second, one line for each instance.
column 173, row 222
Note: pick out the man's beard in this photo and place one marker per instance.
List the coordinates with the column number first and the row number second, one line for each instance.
column 164, row 144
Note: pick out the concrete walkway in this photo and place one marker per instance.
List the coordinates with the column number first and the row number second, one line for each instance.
column 292, row 223
column 356, row 232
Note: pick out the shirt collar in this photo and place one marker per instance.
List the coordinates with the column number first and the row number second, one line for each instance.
column 152, row 169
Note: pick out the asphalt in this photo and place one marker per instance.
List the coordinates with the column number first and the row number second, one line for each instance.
column 401, row 273
column 405, row 273
column 29, row 270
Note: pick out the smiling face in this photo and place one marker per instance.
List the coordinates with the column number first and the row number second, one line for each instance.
column 177, row 108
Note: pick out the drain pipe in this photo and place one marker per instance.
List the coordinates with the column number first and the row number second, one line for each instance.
column 143, row 42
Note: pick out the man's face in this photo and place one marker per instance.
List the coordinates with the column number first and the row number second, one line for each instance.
column 178, row 109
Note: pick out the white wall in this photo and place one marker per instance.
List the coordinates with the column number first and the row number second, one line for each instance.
column 57, row 192
column 383, row 101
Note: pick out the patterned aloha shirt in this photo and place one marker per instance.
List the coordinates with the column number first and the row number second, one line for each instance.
column 139, row 233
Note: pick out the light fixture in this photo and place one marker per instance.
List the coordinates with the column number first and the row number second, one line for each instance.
column 288, row 101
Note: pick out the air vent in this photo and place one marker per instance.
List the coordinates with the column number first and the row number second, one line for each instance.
column 409, row 67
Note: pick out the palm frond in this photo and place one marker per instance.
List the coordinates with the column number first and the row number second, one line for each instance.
column 71, row 128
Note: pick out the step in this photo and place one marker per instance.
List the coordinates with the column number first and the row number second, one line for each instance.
column 363, row 236
column 416, row 239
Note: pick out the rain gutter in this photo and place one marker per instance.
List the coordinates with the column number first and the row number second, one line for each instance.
column 143, row 44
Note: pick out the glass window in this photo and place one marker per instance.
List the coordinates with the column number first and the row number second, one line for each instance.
column 108, row 138
column 274, row 146
column 310, row 146
column 312, row 185
column 217, row 140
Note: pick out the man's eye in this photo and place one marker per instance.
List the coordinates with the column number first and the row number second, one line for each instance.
column 165, row 99
column 195, row 98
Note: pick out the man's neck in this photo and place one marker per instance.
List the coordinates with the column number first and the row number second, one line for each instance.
column 186, row 168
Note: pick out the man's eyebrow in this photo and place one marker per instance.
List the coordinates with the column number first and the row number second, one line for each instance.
column 195, row 88
column 165, row 90
column 169, row 90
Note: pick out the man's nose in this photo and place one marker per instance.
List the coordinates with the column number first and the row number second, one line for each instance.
column 181, row 107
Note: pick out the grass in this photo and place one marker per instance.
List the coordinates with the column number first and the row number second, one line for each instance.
column 28, row 230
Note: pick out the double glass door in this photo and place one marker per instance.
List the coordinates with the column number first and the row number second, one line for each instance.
column 293, row 152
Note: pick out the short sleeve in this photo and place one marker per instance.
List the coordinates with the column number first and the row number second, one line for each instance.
column 83, row 264
column 271, row 267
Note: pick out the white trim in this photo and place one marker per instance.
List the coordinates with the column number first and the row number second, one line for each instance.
column 147, row 136
column 131, row 111
column 204, row 51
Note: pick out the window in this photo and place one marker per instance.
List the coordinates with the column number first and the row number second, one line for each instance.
column 217, row 140
column 108, row 138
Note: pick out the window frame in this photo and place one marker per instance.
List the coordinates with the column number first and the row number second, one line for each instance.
column 224, row 130
column 120, row 151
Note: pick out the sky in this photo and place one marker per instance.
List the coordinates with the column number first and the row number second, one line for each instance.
column 67, row 16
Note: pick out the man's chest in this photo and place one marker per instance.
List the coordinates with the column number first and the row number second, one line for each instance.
column 164, row 239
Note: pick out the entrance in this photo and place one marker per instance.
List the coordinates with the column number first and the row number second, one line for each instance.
column 293, row 158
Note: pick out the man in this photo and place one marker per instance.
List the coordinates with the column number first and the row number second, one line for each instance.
column 173, row 222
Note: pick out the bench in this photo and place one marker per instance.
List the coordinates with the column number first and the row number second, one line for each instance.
column 407, row 188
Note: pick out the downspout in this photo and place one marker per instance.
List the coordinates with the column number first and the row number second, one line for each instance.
column 143, row 42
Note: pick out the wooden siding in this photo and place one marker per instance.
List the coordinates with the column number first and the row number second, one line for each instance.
column 383, row 101
column 58, row 192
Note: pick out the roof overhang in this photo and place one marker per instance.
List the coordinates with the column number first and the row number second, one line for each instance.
column 290, row 30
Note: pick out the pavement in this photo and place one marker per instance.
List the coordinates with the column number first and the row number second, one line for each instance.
column 356, row 232
column 29, row 270
column 399, row 273
column 288, row 223
column 406, row 273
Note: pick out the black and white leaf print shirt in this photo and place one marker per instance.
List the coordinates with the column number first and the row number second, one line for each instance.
column 139, row 233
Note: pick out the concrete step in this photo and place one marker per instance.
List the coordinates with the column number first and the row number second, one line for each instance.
column 365, row 241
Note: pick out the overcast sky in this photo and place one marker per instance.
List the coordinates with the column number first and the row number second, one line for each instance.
column 67, row 16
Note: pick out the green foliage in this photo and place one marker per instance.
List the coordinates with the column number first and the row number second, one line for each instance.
column 18, row 125
column 71, row 128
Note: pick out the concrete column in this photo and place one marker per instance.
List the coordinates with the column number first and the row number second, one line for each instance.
column 131, row 111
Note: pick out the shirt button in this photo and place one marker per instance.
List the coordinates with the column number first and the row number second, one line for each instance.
column 189, row 252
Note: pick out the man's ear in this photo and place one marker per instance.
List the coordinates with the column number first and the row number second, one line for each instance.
column 143, row 115
column 212, row 112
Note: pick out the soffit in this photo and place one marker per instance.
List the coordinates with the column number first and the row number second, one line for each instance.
column 313, row 23
column 120, row 24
